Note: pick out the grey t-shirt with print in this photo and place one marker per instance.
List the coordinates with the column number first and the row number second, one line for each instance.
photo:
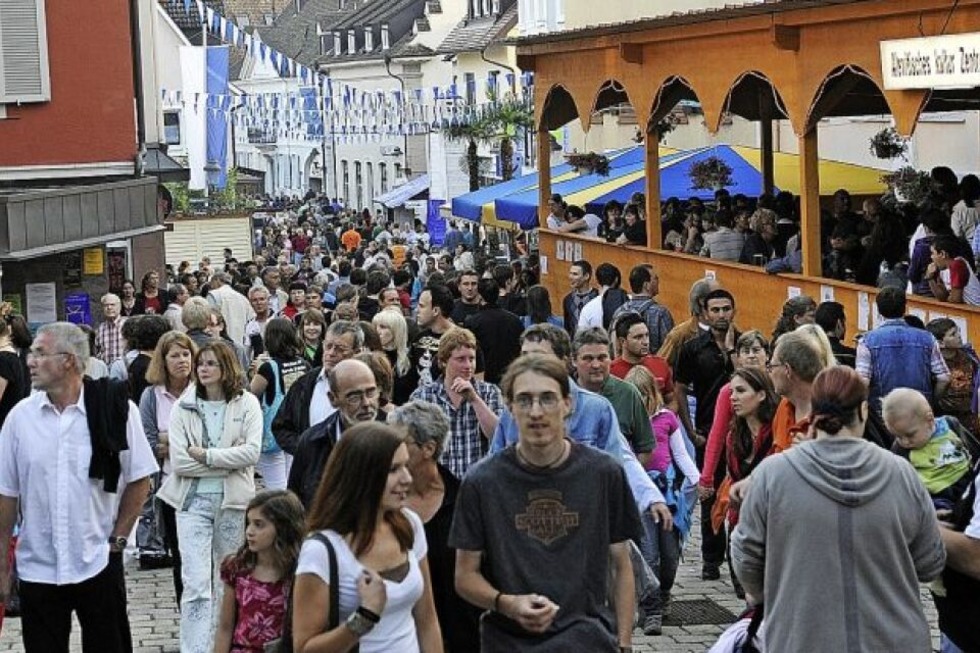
column 548, row 532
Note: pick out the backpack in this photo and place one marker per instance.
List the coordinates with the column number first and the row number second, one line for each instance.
column 269, row 411
column 611, row 301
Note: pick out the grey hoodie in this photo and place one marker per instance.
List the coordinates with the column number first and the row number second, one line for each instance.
column 836, row 534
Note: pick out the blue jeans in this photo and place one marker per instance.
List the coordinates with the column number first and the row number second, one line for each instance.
column 662, row 551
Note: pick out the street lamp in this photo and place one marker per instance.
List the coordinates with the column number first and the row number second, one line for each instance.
column 212, row 170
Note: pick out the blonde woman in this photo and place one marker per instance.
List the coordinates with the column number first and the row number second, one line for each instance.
column 393, row 332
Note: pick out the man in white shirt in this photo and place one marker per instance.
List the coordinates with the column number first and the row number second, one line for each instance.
column 233, row 305
column 79, row 494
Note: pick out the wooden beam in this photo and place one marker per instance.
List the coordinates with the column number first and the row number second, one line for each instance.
column 631, row 52
column 830, row 99
column 766, row 111
column 810, row 203
column 651, row 147
column 544, row 175
column 785, row 37
column 525, row 61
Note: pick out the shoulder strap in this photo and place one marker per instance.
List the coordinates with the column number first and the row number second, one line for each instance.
column 334, row 620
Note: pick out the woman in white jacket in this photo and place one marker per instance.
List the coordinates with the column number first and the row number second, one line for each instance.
column 215, row 438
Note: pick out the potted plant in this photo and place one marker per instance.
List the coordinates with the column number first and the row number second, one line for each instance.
column 908, row 184
column 590, row 162
column 888, row 144
column 710, row 173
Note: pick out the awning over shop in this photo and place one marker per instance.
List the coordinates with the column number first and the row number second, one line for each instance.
column 158, row 164
column 36, row 222
column 411, row 189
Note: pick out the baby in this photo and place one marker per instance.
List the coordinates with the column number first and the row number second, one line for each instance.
column 938, row 454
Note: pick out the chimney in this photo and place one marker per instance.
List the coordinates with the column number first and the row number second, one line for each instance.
column 351, row 41
column 368, row 38
column 385, row 43
column 336, row 44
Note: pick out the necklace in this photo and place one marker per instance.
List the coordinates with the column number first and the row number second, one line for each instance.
column 528, row 463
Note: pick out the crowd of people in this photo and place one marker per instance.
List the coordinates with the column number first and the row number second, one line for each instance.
column 930, row 248
column 355, row 438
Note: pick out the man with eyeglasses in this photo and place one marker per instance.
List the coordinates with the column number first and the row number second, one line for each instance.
column 75, row 469
column 592, row 421
column 354, row 391
column 308, row 401
column 541, row 528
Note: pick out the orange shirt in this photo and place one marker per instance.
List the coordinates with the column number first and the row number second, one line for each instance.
column 784, row 426
column 351, row 240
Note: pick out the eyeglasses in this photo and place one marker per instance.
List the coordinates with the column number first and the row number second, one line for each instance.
column 755, row 351
column 333, row 346
column 34, row 355
column 547, row 401
column 356, row 398
column 771, row 365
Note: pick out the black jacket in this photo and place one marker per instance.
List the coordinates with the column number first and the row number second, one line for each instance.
column 311, row 454
column 293, row 418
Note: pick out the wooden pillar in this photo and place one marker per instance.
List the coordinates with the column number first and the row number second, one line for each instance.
column 768, row 183
column 544, row 175
column 651, row 146
column 765, row 144
column 810, row 203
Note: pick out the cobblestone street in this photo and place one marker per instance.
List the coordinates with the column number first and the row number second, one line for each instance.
column 153, row 616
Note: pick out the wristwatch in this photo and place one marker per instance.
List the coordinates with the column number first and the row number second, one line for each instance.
column 359, row 624
column 117, row 542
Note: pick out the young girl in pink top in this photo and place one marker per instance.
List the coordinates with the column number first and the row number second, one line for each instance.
column 669, row 466
column 257, row 578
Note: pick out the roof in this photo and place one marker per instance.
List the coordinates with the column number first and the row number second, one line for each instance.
column 479, row 33
column 727, row 12
column 398, row 195
column 374, row 13
column 294, row 33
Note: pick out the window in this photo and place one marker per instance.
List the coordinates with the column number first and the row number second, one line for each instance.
column 383, row 172
column 470, row 81
column 345, row 170
column 24, row 75
column 358, row 185
column 370, row 182
column 171, row 127
column 398, row 171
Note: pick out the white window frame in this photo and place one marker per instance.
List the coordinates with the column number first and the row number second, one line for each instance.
column 43, row 71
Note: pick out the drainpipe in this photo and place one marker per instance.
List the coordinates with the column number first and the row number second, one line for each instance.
column 134, row 29
column 401, row 82
column 483, row 55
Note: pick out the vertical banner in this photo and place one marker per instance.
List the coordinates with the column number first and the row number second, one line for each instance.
column 217, row 118
column 77, row 309
column 435, row 224
column 194, row 114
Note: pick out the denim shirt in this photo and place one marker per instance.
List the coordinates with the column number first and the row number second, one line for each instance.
column 901, row 357
column 593, row 421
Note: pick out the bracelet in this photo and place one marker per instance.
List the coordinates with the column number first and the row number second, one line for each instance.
column 496, row 602
column 371, row 616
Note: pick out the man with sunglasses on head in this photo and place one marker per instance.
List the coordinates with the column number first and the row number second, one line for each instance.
column 308, row 401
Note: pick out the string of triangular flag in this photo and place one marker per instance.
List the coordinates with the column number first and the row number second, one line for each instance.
column 351, row 113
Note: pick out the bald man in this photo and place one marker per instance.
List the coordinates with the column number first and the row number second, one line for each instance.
column 354, row 392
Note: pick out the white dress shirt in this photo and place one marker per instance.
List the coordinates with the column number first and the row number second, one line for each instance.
column 320, row 406
column 67, row 517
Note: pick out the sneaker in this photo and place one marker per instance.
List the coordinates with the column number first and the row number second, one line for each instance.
column 653, row 624
column 710, row 571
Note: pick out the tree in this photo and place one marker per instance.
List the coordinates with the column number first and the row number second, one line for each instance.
column 474, row 131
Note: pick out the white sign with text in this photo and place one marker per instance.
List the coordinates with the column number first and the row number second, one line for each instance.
column 951, row 61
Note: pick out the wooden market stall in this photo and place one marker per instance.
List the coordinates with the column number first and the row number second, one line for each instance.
column 798, row 60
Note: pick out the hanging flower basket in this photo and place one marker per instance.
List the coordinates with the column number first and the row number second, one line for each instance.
column 711, row 173
column 908, row 184
column 590, row 162
column 888, row 144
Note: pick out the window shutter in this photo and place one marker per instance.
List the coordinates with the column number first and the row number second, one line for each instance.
column 24, row 73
